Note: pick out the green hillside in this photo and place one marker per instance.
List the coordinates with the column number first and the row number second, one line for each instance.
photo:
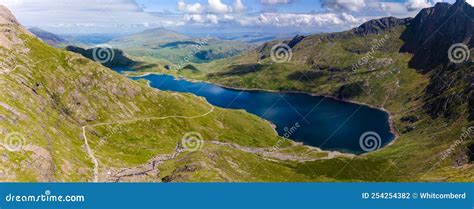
column 378, row 64
column 66, row 118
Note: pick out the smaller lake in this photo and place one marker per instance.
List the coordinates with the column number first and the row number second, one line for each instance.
column 317, row 121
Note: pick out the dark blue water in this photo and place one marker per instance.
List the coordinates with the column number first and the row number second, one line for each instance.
column 317, row 121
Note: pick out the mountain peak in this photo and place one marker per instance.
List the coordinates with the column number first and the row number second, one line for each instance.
column 431, row 33
column 9, row 29
column 7, row 17
column 161, row 31
column 381, row 25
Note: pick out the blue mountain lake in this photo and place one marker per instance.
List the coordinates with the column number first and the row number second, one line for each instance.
column 313, row 120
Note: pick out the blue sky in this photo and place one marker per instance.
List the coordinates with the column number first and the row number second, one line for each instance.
column 199, row 16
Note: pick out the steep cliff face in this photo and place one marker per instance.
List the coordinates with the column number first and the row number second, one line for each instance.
column 434, row 30
column 432, row 37
column 9, row 29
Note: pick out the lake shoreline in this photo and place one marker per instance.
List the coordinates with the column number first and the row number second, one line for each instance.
column 390, row 115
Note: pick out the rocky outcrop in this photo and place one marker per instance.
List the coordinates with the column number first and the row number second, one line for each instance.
column 9, row 29
column 434, row 30
column 6, row 17
column 429, row 38
column 379, row 26
column 296, row 40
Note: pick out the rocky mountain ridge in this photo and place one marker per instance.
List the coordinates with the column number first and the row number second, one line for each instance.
column 434, row 30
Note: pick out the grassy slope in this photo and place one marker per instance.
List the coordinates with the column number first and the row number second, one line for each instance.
column 415, row 156
column 55, row 93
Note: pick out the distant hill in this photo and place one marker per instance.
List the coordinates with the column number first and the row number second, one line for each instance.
column 116, row 58
column 49, row 38
column 254, row 38
column 90, row 39
column 63, row 40
column 179, row 49
column 149, row 38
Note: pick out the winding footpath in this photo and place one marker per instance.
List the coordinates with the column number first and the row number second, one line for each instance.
column 90, row 152
column 258, row 151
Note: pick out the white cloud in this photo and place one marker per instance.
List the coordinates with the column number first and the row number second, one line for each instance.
column 281, row 20
column 414, row 5
column 377, row 8
column 274, row 2
column 85, row 16
column 212, row 18
column 391, row 8
column 72, row 5
column 344, row 5
column 228, row 17
column 201, row 19
column 239, row 6
column 90, row 16
column 190, row 8
column 194, row 18
column 216, row 6
column 213, row 13
column 287, row 19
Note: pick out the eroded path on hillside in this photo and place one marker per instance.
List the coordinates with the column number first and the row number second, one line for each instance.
column 90, row 152
column 267, row 153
